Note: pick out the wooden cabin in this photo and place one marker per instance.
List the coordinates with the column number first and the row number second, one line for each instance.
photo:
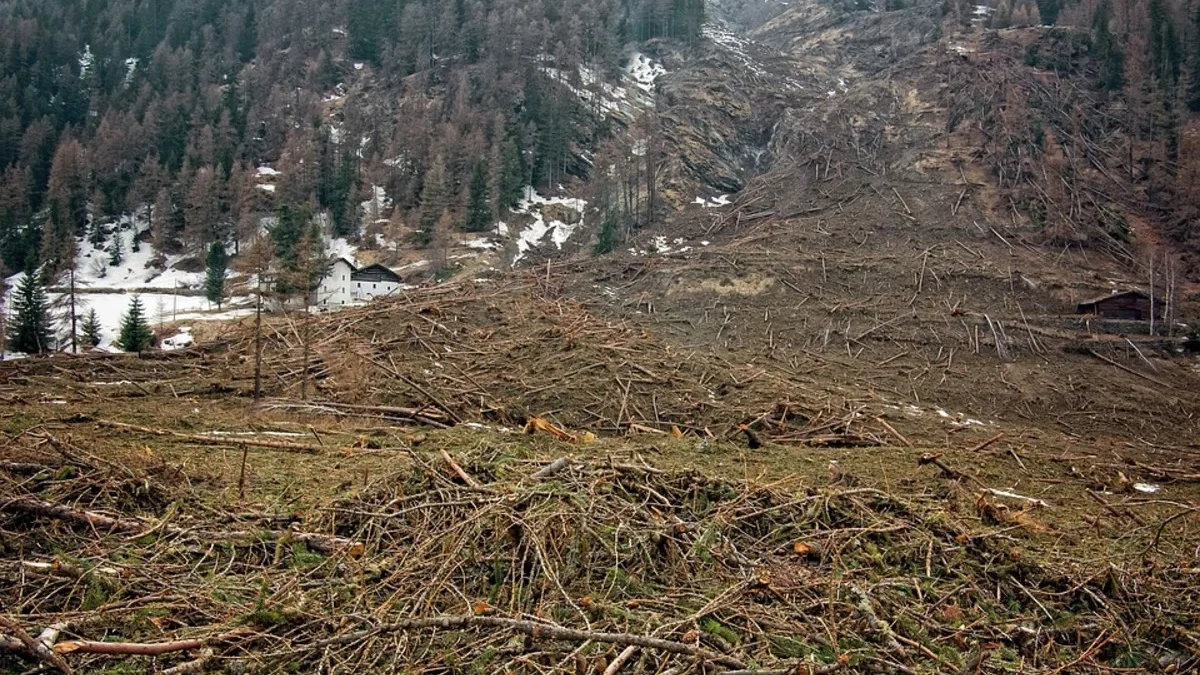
column 1130, row 305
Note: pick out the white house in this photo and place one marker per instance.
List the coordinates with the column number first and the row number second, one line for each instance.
column 345, row 284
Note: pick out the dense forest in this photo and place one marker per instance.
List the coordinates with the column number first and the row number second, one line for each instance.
column 169, row 107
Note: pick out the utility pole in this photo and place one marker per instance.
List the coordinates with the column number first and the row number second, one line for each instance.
column 74, row 333
column 1152, row 312
column 258, row 342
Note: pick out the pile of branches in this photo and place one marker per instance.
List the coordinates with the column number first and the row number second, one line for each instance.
column 102, row 376
column 490, row 563
column 506, row 353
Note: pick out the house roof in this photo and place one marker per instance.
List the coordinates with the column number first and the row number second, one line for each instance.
column 1120, row 294
column 376, row 269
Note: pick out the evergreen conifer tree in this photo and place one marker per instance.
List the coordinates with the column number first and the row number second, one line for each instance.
column 116, row 254
column 512, row 176
column 1194, row 88
column 96, row 233
column 92, row 332
column 136, row 335
column 30, row 329
column 1165, row 49
column 1049, row 9
column 363, row 26
column 214, row 278
column 248, row 38
column 609, row 235
column 479, row 214
column 1108, row 51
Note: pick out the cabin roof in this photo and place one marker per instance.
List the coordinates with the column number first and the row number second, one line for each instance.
column 1132, row 293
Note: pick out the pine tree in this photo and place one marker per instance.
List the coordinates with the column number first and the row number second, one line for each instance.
column 1049, row 9
column 116, row 254
column 338, row 197
column 214, row 278
column 512, row 176
column 136, row 335
column 1165, row 49
column 287, row 237
column 248, row 37
column 30, row 329
column 1194, row 88
column 96, row 233
column 15, row 226
column 610, row 233
column 479, row 213
column 92, row 332
column 1108, row 51
column 362, row 25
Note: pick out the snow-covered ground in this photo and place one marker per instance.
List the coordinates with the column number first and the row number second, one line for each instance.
column 94, row 271
column 111, row 307
column 644, row 71
column 635, row 91
column 533, row 235
column 167, row 295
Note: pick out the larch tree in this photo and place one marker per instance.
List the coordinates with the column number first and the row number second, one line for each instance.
column 163, row 224
column 202, row 212
column 433, row 198
column 67, row 195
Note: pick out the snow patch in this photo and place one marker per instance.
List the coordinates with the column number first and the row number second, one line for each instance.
column 181, row 340
column 533, row 205
column 86, row 61
column 131, row 66
column 713, row 202
column 482, row 243
column 375, row 208
column 342, row 248
column 660, row 245
column 644, row 71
